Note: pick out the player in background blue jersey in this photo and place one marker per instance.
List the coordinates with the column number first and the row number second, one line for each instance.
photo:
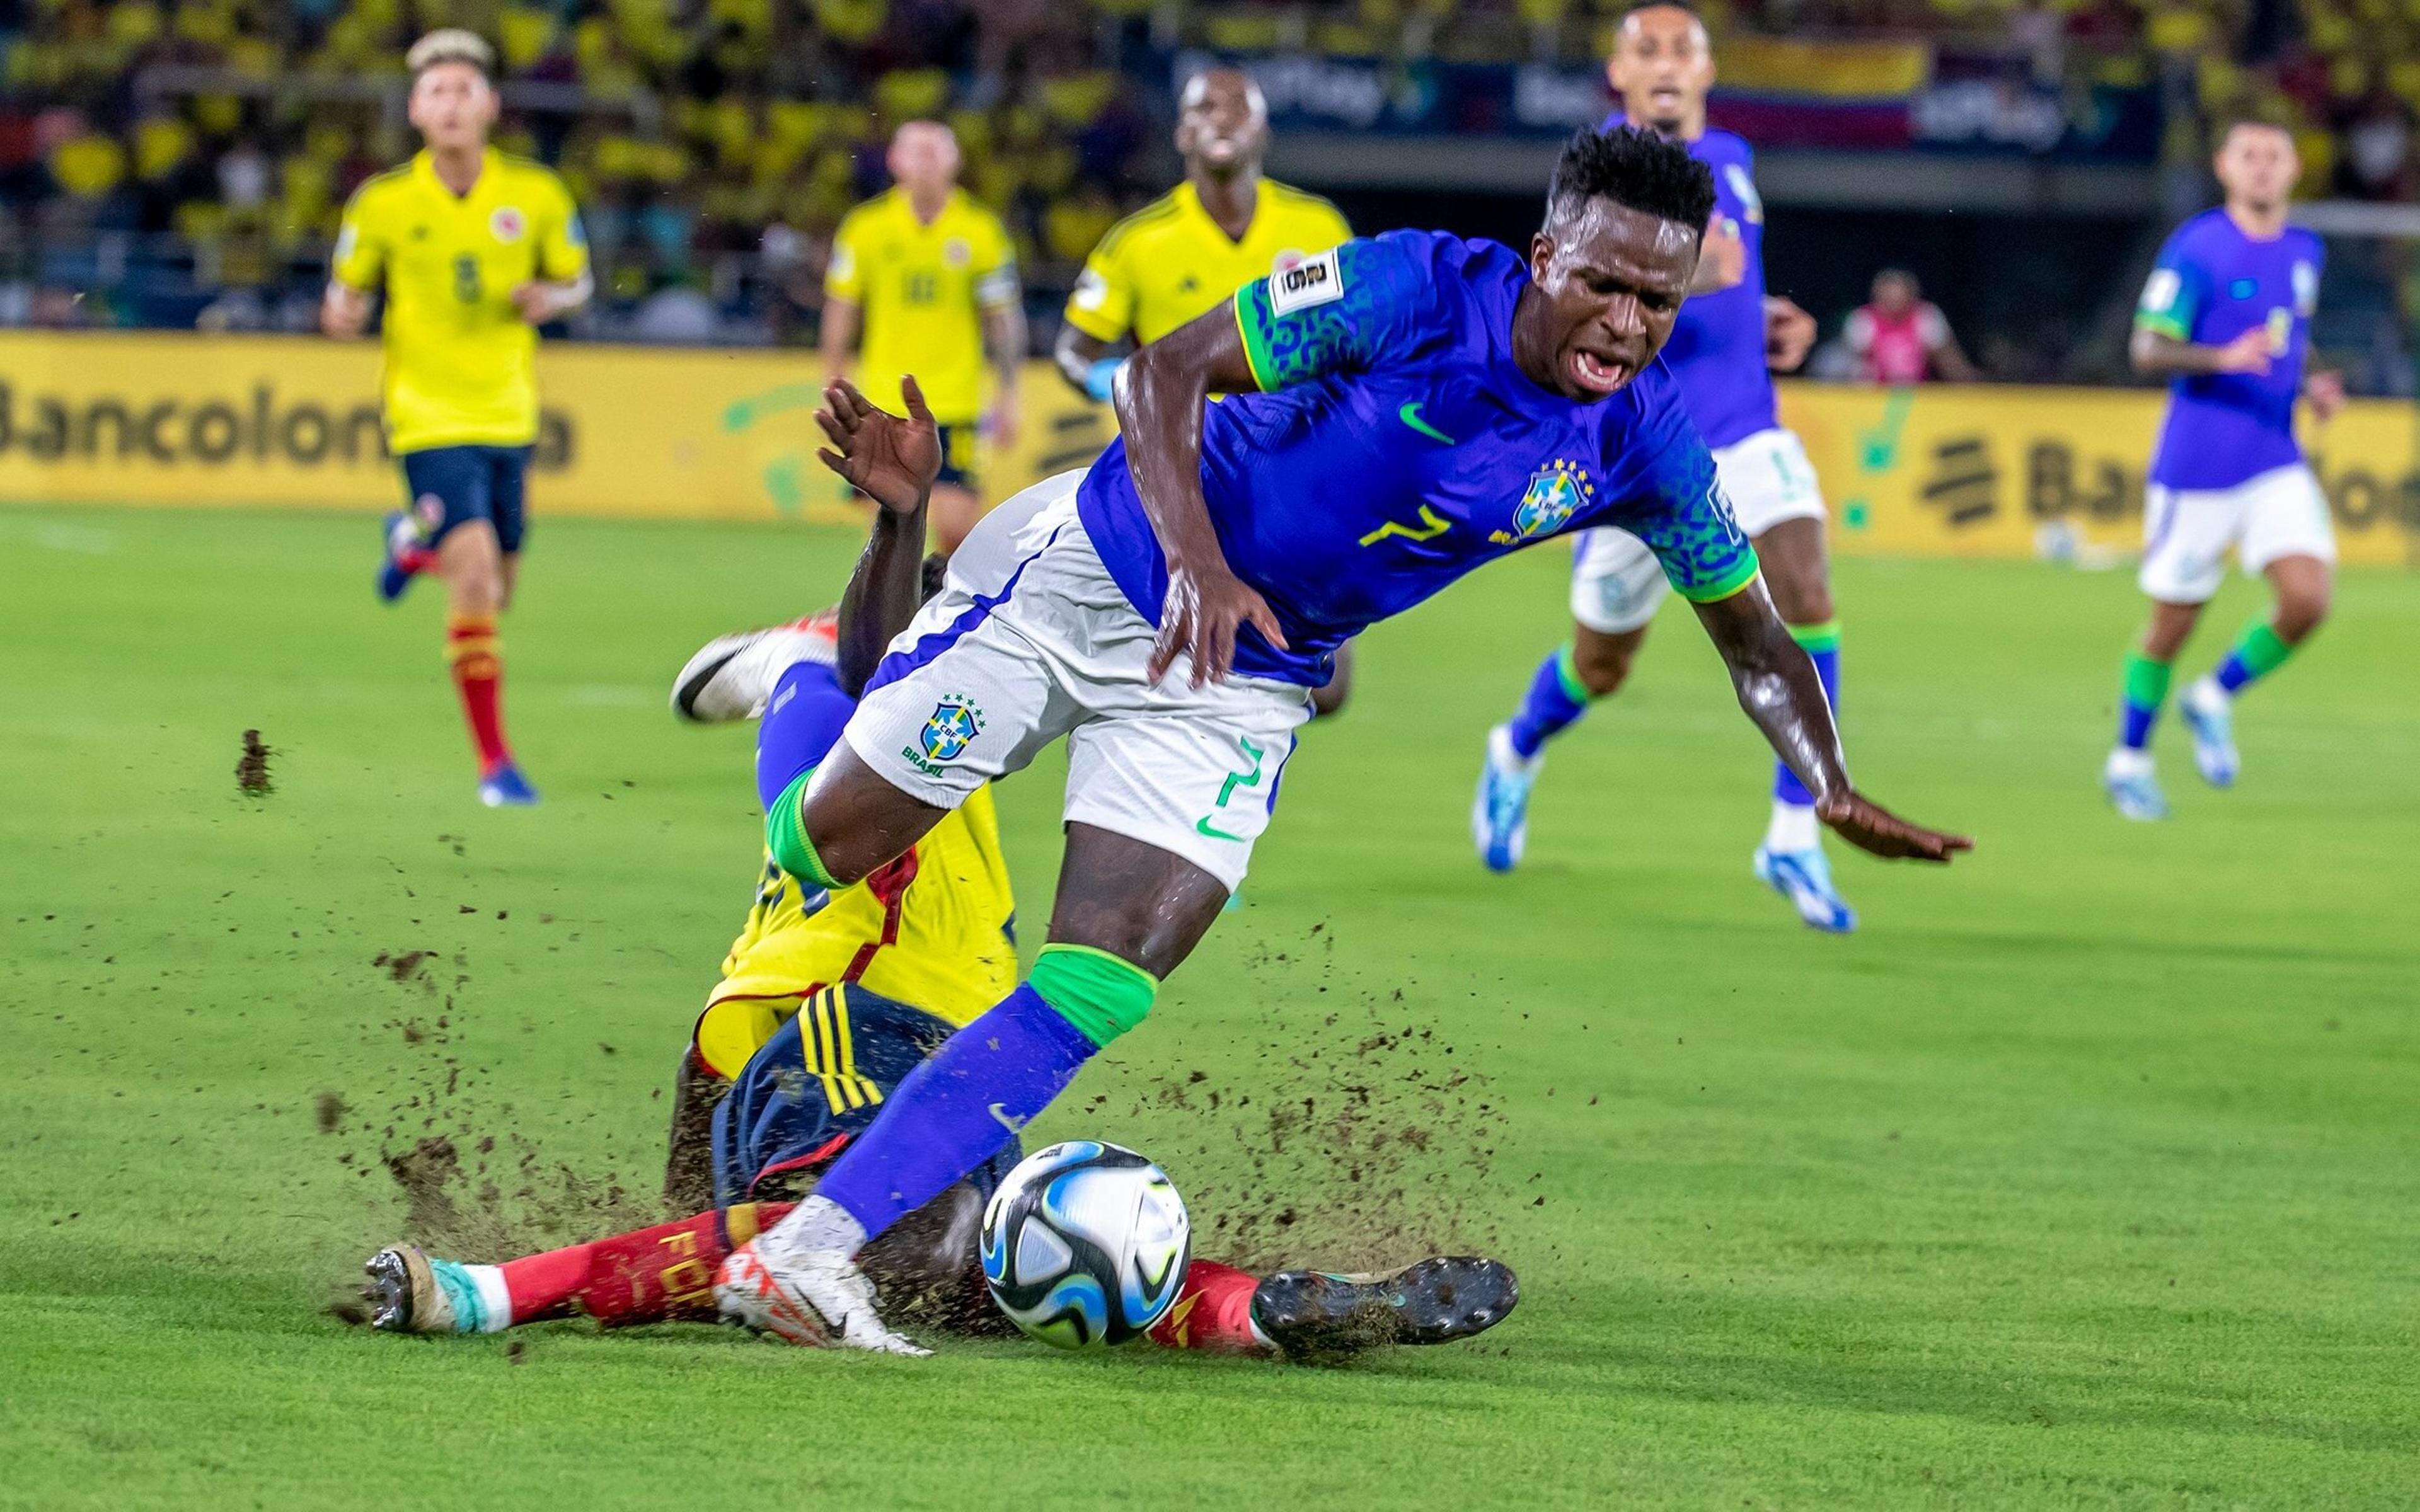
column 1729, row 336
column 2227, row 317
column 1402, row 410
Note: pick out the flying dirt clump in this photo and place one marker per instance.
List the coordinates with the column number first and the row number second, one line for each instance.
column 252, row 768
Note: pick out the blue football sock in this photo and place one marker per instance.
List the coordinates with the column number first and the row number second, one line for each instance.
column 1556, row 698
column 1823, row 645
column 801, row 720
column 957, row 1109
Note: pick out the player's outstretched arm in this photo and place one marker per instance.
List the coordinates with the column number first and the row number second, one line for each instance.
column 540, row 300
column 1084, row 360
column 1778, row 688
column 1159, row 396
column 2157, row 354
column 893, row 460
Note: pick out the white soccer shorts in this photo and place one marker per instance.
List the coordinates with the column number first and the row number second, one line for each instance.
column 1030, row 639
column 2187, row 532
column 1617, row 584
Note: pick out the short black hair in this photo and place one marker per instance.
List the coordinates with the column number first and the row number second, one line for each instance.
column 1633, row 167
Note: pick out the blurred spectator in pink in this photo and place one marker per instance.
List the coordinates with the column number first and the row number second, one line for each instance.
column 1901, row 337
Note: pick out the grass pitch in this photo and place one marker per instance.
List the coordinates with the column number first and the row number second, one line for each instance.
column 2084, row 1177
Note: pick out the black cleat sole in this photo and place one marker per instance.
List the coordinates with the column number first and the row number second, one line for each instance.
column 388, row 1291
column 1313, row 1314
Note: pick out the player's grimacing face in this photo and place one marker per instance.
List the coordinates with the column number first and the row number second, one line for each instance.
column 452, row 105
column 2259, row 163
column 1662, row 67
column 1613, row 279
column 1221, row 121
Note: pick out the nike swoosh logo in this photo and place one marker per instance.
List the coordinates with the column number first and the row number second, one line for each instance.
column 1410, row 415
column 1008, row 1122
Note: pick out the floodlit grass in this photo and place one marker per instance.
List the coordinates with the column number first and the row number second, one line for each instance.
column 2084, row 1177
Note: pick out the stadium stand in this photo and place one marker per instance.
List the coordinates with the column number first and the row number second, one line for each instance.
column 181, row 162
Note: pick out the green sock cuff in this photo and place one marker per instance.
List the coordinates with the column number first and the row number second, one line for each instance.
column 1103, row 995
column 2261, row 649
column 1567, row 672
column 2147, row 681
column 785, row 836
column 1824, row 637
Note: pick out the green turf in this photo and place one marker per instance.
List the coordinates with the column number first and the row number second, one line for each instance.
column 2084, row 1177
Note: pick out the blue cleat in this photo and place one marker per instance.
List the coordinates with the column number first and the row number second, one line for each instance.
column 406, row 556
column 1499, row 814
column 2211, row 716
column 1804, row 877
column 505, row 787
column 2133, row 787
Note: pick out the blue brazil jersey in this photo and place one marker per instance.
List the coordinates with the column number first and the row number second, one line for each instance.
column 2213, row 284
column 1717, row 345
column 1396, row 446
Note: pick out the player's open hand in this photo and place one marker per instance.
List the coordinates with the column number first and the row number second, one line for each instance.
column 1722, row 256
column 890, row 458
column 2247, row 353
column 2326, row 393
column 1199, row 618
column 345, row 312
column 535, row 302
column 1876, row 830
column 1789, row 334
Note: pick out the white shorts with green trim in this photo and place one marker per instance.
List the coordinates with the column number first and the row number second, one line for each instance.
column 1030, row 639
column 1617, row 584
column 2187, row 532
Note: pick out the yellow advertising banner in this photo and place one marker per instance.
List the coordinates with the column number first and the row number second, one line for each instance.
column 175, row 419
column 183, row 420
column 1987, row 470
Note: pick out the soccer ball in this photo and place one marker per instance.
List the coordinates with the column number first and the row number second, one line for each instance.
column 1085, row 1244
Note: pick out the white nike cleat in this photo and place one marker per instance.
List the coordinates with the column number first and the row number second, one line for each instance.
column 2209, row 714
column 733, row 676
column 2133, row 787
column 820, row 1300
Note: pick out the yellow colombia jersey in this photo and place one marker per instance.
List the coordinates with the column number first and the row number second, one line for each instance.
column 1169, row 262
column 931, row 930
column 924, row 289
column 461, row 361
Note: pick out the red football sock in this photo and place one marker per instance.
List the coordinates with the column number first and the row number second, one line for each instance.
column 650, row 1275
column 1213, row 1312
column 478, row 660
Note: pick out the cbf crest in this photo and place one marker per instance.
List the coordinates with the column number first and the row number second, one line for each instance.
column 952, row 728
column 1555, row 493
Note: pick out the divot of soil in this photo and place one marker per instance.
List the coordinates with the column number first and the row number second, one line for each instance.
column 252, row 777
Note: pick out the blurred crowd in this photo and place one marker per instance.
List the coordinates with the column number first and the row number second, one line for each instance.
column 183, row 162
column 713, row 145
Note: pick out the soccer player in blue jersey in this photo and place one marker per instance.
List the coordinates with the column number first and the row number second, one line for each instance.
column 1402, row 411
column 1727, row 338
column 2227, row 317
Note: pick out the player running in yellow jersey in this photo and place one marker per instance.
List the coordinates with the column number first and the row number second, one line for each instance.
column 1192, row 248
column 473, row 250
column 927, row 277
